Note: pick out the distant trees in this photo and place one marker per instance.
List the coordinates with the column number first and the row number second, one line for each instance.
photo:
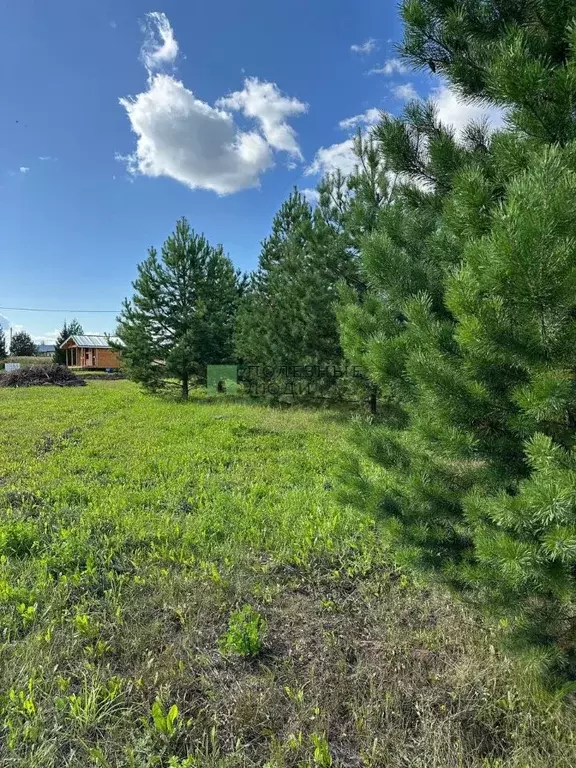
column 3, row 350
column 182, row 314
column 72, row 329
column 22, row 345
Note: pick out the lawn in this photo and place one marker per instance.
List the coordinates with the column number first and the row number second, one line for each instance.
column 136, row 531
column 26, row 361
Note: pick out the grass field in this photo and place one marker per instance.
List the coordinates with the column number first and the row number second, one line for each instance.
column 134, row 533
column 26, row 362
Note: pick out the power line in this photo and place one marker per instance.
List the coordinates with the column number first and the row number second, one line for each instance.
column 71, row 311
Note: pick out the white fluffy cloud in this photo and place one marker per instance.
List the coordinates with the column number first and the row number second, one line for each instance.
column 370, row 117
column 338, row 157
column 364, row 48
column 200, row 145
column 341, row 156
column 454, row 111
column 190, row 141
column 49, row 337
column 390, row 67
column 264, row 102
column 406, row 92
column 24, row 169
column 160, row 46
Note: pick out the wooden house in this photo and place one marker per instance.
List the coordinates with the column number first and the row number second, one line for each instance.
column 91, row 352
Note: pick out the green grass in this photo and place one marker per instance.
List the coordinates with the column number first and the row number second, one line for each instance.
column 134, row 533
column 26, row 362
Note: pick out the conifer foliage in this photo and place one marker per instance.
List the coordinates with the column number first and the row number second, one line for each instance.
column 182, row 314
column 288, row 316
column 74, row 328
column 471, row 322
column 3, row 349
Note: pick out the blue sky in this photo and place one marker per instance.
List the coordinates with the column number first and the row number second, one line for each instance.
column 118, row 118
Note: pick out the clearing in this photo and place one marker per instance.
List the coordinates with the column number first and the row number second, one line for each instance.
column 133, row 528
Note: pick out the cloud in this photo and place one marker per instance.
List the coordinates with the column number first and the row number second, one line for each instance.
column 24, row 169
column 265, row 103
column 200, row 145
column 341, row 156
column 370, row 117
column 312, row 195
column 338, row 157
column 454, row 111
column 47, row 338
column 390, row 67
column 185, row 138
column 365, row 48
column 44, row 158
column 406, row 92
column 160, row 47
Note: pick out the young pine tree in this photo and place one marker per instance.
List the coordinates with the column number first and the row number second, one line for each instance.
column 514, row 302
column 73, row 329
column 477, row 353
column 272, row 326
column 182, row 314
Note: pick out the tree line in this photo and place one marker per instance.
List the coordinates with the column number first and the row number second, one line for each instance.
column 444, row 267
column 23, row 345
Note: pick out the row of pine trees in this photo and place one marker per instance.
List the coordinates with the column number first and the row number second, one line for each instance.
column 444, row 268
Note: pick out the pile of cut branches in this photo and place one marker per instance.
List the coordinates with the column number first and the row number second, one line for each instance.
column 41, row 376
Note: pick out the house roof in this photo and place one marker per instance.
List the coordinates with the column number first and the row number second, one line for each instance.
column 100, row 342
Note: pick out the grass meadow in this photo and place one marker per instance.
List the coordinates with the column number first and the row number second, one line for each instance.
column 180, row 587
column 26, row 361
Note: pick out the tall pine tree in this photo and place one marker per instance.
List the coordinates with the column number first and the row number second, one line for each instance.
column 72, row 329
column 182, row 314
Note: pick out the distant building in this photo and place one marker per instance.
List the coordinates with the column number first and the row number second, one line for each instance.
column 91, row 352
column 45, row 350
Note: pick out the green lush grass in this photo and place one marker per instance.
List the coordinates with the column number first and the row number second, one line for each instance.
column 134, row 533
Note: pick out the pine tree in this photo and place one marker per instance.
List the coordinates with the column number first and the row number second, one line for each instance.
column 22, row 345
column 514, row 302
column 473, row 336
column 73, row 329
column 290, row 315
column 368, row 194
column 271, row 327
column 3, row 350
column 181, row 317
column 513, row 53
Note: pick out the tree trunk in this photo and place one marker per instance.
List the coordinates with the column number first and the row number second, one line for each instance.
column 373, row 401
column 185, row 386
